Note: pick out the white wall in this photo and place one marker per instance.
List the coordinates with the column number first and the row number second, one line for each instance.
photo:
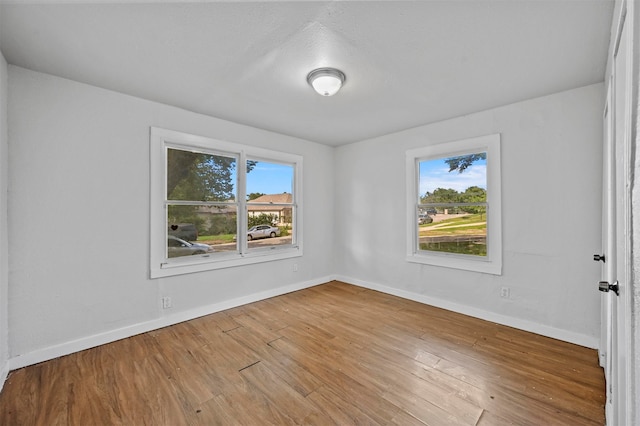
column 79, row 214
column 551, row 195
column 4, row 270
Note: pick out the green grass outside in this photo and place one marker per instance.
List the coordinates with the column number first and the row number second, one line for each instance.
column 463, row 230
column 464, row 225
column 216, row 239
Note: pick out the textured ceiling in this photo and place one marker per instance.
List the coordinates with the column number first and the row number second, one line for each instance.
column 407, row 63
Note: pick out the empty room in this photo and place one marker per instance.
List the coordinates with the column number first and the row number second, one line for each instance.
column 319, row 212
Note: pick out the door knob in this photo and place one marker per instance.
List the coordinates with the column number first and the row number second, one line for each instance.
column 598, row 257
column 605, row 287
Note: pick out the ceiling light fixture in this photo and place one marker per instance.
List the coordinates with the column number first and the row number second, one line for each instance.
column 326, row 81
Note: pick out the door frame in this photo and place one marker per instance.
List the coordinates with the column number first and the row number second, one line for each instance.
column 617, row 347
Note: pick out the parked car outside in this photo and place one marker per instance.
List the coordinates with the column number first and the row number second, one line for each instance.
column 432, row 211
column 184, row 231
column 262, row 231
column 177, row 247
column 424, row 218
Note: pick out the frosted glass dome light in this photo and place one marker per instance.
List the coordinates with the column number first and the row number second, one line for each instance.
column 326, row 81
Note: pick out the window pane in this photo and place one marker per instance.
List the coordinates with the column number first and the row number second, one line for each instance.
column 215, row 226
column 461, row 179
column 452, row 212
column 264, row 178
column 269, row 204
column 195, row 176
column 453, row 229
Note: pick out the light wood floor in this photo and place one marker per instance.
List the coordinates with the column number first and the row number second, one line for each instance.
column 332, row 354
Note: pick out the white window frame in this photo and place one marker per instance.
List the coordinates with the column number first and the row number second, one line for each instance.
column 160, row 265
column 492, row 262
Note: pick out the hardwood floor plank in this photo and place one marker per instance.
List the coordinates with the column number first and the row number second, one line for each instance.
column 286, row 368
column 221, row 321
column 553, row 388
column 507, row 403
column 335, row 410
column 294, row 314
column 236, row 354
column 267, row 318
column 263, row 332
column 330, row 372
column 243, row 404
column 424, row 411
column 229, row 409
column 334, row 354
column 398, row 378
column 544, row 360
column 279, row 392
column 22, row 405
column 54, row 396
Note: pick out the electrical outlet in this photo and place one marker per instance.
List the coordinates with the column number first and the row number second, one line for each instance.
column 166, row 302
column 505, row 292
column 295, row 267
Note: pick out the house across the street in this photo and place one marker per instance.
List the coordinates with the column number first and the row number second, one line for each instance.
column 278, row 205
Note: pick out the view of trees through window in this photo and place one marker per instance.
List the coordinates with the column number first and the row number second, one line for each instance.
column 452, row 206
column 203, row 205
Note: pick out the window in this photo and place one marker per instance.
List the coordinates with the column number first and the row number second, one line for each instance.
column 217, row 204
column 453, row 205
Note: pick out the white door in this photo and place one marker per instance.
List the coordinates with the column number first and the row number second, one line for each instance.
column 616, row 234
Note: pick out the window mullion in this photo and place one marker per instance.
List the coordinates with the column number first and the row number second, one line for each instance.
column 242, row 204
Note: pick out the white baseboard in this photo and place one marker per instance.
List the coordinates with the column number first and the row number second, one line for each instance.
column 4, row 373
column 77, row 345
column 531, row 326
column 81, row 344
column 602, row 357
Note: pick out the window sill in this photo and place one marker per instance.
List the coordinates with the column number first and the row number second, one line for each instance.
column 206, row 263
column 466, row 263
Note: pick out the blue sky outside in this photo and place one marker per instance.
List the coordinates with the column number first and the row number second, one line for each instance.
column 435, row 174
column 270, row 178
